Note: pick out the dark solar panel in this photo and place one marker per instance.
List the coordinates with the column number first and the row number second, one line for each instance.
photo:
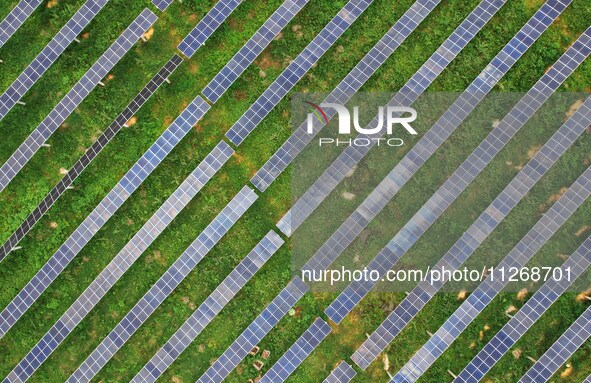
column 75, row 96
column 533, row 309
column 16, row 18
column 102, row 213
column 205, row 28
column 342, row 374
column 209, row 309
column 255, row 332
column 253, row 47
column 464, row 175
column 560, row 351
column 121, row 263
column 345, row 90
column 299, row 351
column 296, row 70
column 175, row 274
column 417, row 84
column 49, row 54
column 90, row 155
column 542, row 231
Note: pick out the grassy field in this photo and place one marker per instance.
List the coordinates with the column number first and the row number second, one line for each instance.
column 130, row 75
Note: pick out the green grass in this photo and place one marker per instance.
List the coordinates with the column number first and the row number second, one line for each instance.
column 130, row 75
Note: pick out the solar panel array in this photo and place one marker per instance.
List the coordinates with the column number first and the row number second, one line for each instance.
column 342, row 374
column 173, row 277
column 49, row 54
column 210, row 308
column 430, row 142
column 299, row 351
column 90, row 154
column 162, row 4
column 417, row 84
column 486, row 358
column 75, row 96
column 527, row 247
column 16, row 18
column 462, row 177
column 205, row 28
column 588, row 379
column 253, row 47
column 345, row 90
column 296, row 70
column 121, row 263
column 101, row 214
column 560, row 351
column 476, row 234
column 255, row 332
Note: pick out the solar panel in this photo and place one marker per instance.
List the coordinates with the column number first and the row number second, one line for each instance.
column 429, row 143
column 296, row 70
column 205, row 28
column 16, row 18
column 463, row 176
column 101, row 214
column 486, row 358
column 253, row 47
column 121, row 263
column 49, row 54
column 299, row 351
column 162, row 4
column 560, row 351
column 527, row 247
column 211, row 307
column 588, row 380
column 417, row 84
column 75, row 96
column 345, row 90
column 476, row 234
column 173, row 277
column 255, row 332
column 90, row 155
column 342, row 374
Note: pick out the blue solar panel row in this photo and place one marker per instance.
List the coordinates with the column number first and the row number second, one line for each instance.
column 205, row 28
column 296, row 70
column 210, row 308
column 90, row 154
column 253, row 47
column 49, row 54
column 75, row 96
column 430, row 142
column 16, row 18
column 463, row 176
column 298, row 352
column 417, row 84
column 255, row 332
column 486, row 358
column 476, row 234
column 342, row 374
column 102, row 213
column 588, row 379
column 560, row 351
column 162, row 4
column 345, row 90
column 527, row 247
column 173, row 277
column 120, row 264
